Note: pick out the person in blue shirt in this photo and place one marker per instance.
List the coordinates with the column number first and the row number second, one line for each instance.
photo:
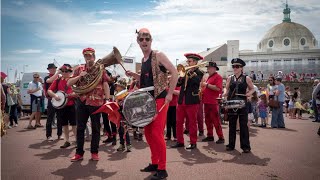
column 277, row 120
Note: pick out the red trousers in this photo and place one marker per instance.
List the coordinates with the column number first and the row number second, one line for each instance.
column 212, row 118
column 199, row 118
column 189, row 112
column 154, row 133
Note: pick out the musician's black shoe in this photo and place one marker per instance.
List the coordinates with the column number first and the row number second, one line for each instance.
column 220, row 141
column 140, row 137
column 228, row 148
column 160, row 174
column 207, row 139
column 114, row 140
column 200, row 133
column 318, row 131
column 108, row 140
column 150, row 168
column 191, row 146
column 65, row 145
column 177, row 145
column 246, row 150
column 185, row 132
column 135, row 135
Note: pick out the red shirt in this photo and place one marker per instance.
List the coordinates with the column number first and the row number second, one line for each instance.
column 209, row 96
column 174, row 100
column 96, row 96
column 62, row 86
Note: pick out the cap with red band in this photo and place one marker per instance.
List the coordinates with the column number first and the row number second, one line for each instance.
column 194, row 56
column 88, row 50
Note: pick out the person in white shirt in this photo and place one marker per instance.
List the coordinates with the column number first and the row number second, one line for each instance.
column 36, row 93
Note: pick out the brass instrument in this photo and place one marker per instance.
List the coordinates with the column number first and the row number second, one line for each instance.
column 88, row 82
column 182, row 70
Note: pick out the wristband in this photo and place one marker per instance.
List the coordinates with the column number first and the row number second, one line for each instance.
column 207, row 85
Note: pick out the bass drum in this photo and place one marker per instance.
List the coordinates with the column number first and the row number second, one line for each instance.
column 139, row 108
column 62, row 102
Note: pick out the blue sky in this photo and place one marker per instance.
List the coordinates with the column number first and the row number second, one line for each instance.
column 34, row 32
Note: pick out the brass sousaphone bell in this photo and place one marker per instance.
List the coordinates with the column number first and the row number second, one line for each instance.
column 88, row 82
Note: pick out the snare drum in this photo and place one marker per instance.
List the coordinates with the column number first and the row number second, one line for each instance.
column 139, row 108
column 233, row 104
column 62, row 102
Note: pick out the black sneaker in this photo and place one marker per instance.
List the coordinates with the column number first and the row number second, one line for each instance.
column 177, row 145
column 246, row 150
column 150, row 168
column 160, row 174
column 108, row 140
column 220, row 141
column 318, row 131
column 207, row 139
column 114, row 140
column 191, row 146
column 65, row 145
column 185, row 132
column 228, row 148
column 200, row 133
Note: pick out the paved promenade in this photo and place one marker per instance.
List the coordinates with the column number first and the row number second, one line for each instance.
column 291, row 153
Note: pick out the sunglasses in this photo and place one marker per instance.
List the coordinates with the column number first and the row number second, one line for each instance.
column 147, row 39
column 36, row 77
column 64, row 71
column 236, row 66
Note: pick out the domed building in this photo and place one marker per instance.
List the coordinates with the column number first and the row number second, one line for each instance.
column 286, row 47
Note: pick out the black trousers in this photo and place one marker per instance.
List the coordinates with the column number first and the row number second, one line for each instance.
column 13, row 115
column 82, row 114
column 106, row 123
column 51, row 113
column 233, row 116
column 171, row 122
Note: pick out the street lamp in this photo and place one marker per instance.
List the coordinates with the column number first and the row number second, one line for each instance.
column 177, row 62
column 24, row 66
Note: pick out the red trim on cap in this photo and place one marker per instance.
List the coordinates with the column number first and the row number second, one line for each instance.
column 193, row 55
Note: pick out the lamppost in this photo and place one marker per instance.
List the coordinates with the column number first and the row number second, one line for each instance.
column 24, row 68
column 177, row 62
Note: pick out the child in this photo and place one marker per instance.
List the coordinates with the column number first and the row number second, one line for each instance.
column 121, row 85
column 254, row 102
column 291, row 107
column 262, row 106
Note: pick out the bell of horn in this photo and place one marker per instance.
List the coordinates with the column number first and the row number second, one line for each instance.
column 112, row 58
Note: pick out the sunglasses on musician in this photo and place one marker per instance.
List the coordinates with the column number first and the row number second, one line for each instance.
column 64, row 71
column 236, row 66
column 147, row 39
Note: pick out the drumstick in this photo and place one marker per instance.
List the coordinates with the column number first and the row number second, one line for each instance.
column 240, row 94
column 162, row 107
column 123, row 67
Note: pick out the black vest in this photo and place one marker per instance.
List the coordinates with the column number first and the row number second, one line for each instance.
column 237, row 86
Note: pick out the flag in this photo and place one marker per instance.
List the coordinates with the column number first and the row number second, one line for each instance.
column 112, row 109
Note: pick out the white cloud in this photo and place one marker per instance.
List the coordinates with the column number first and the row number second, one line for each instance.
column 28, row 51
column 106, row 12
column 177, row 26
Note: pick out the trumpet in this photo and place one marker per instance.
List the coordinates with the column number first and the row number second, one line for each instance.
column 182, row 70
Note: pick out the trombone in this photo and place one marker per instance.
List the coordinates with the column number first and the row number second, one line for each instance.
column 182, row 70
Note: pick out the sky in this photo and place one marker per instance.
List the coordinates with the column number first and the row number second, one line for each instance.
column 37, row 32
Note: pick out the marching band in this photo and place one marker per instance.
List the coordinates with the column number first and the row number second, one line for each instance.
column 159, row 96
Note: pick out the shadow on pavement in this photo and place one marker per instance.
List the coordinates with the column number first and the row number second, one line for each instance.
column 194, row 156
column 55, row 153
column 253, row 131
column 247, row 159
column 78, row 171
column 43, row 145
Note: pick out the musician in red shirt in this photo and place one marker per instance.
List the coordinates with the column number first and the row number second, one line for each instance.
column 66, row 115
column 87, row 103
column 213, row 88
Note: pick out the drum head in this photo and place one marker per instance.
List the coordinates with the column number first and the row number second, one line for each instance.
column 62, row 102
column 139, row 108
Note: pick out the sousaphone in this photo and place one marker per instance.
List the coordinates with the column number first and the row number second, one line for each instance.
column 88, row 82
